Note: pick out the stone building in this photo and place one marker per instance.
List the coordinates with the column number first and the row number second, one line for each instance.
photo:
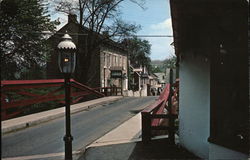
column 106, row 66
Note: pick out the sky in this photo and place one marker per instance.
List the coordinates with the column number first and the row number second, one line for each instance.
column 155, row 19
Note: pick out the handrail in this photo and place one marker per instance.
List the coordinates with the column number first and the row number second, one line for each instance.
column 21, row 82
column 108, row 91
column 23, row 91
column 158, row 106
column 87, row 88
column 152, row 115
column 159, row 103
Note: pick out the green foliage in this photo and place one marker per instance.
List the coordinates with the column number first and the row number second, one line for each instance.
column 139, row 51
column 36, row 107
column 169, row 63
column 157, row 69
column 158, row 66
column 22, row 45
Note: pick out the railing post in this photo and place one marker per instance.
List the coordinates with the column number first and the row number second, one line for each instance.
column 105, row 91
column 3, row 114
column 146, row 127
column 171, row 118
column 116, row 93
column 113, row 90
column 3, row 107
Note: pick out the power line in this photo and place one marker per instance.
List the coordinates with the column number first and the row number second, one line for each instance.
column 52, row 33
column 145, row 35
column 156, row 36
column 84, row 34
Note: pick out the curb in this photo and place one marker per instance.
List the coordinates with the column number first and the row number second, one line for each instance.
column 41, row 117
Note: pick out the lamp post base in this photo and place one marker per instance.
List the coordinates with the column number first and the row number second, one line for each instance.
column 68, row 146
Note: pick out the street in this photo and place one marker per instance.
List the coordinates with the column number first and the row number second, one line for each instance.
column 86, row 126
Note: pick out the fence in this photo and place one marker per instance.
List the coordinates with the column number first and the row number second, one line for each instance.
column 110, row 91
column 18, row 95
column 152, row 115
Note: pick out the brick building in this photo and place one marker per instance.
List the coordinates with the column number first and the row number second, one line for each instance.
column 106, row 66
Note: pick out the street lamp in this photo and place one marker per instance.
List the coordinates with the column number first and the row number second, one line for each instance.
column 67, row 62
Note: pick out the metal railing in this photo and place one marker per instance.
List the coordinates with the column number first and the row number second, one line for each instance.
column 18, row 95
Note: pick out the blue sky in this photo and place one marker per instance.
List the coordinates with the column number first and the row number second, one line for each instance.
column 154, row 20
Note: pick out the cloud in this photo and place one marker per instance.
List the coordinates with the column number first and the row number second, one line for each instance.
column 161, row 48
column 165, row 25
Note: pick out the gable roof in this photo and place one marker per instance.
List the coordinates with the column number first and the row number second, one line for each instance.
column 84, row 31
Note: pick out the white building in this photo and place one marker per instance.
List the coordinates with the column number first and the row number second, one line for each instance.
column 210, row 39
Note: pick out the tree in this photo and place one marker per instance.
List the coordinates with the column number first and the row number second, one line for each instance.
column 169, row 63
column 93, row 13
column 139, row 51
column 157, row 69
column 98, row 16
column 22, row 45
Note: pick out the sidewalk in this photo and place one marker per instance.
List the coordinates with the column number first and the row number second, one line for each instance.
column 124, row 143
column 34, row 119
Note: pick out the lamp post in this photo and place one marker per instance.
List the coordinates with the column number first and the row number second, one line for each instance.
column 67, row 62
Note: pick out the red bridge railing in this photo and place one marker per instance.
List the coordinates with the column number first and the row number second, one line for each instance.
column 153, row 115
column 17, row 95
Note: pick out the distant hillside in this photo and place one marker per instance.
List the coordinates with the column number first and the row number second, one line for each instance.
column 160, row 66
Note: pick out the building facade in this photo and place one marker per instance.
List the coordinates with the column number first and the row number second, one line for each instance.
column 105, row 67
column 113, row 67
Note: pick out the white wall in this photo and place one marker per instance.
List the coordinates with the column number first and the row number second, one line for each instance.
column 194, row 111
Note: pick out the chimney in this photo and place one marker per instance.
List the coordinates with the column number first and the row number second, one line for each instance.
column 72, row 18
column 105, row 34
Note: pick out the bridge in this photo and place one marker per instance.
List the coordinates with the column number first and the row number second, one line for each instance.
column 20, row 96
column 90, row 119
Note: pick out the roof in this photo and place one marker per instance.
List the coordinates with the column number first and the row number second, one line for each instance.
column 84, row 31
column 189, row 15
column 160, row 77
column 152, row 75
column 144, row 75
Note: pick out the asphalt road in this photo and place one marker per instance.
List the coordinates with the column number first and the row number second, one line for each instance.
column 86, row 126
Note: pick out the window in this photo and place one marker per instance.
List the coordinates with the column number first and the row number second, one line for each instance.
column 108, row 60
column 112, row 60
column 116, row 59
column 124, row 62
